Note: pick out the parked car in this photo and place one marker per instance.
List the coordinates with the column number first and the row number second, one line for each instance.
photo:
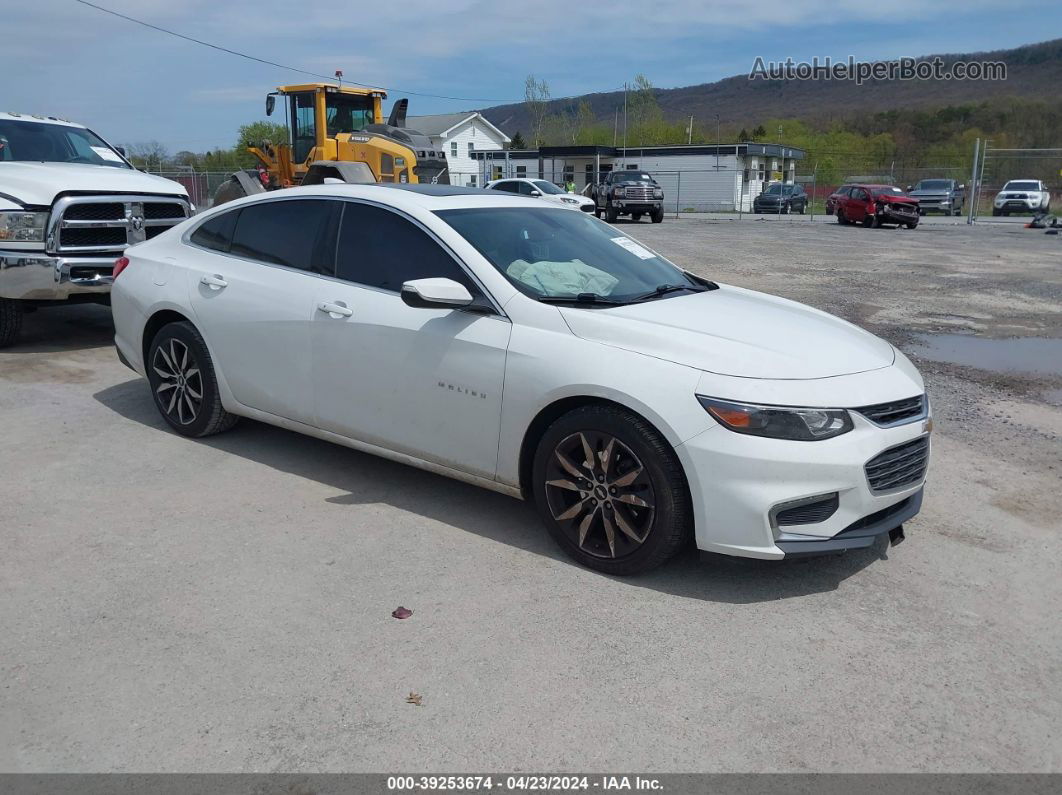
column 874, row 205
column 1022, row 196
column 543, row 189
column 782, row 199
column 537, row 352
column 940, row 195
column 628, row 192
column 69, row 205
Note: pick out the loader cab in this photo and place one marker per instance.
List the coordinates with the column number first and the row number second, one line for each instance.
column 318, row 112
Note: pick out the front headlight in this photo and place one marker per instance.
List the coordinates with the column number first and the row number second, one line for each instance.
column 22, row 227
column 658, row 193
column 568, row 200
column 778, row 422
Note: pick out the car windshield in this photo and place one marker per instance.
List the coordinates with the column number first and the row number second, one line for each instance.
column 934, row 184
column 54, row 143
column 886, row 189
column 546, row 187
column 775, row 190
column 551, row 253
column 1022, row 186
column 631, row 176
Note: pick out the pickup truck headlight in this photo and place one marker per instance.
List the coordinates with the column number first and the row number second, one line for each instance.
column 778, row 422
column 658, row 193
column 21, row 227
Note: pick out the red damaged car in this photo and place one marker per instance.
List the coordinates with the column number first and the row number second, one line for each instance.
column 873, row 205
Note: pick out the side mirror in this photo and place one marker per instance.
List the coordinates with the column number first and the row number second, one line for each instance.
column 910, row 188
column 963, row 186
column 271, row 103
column 435, row 293
column 536, row 193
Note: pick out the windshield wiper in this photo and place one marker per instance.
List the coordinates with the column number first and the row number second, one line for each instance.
column 664, row 289
column 581, row 298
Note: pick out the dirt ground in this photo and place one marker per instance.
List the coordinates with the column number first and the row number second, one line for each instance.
column 224, row 605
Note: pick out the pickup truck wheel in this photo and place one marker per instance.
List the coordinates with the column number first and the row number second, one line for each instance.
column 611, row 490
column 597, row 211
column 803, row 207
column 957, row 210
column 610, row 213
column 182, row 379
column 657, row 216
column 10, row 321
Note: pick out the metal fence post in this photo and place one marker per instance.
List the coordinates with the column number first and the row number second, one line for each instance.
column 973, row 183
column 678, row 195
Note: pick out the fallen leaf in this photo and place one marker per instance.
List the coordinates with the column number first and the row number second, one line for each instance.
column 414, row 698
column 402, row 612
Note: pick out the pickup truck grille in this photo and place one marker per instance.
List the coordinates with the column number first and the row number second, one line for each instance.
column 638, row 192
column 93, row 224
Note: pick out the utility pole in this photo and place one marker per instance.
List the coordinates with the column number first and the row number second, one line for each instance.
column 973, row 183
column 625, row 124
column 717, row 142
column 615, row 126
column 689, row 139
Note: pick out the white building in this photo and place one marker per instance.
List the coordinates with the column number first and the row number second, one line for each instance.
column 696, row 177
column 459, row 135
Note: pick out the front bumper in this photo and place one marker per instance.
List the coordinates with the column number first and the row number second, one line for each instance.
column 1018, row 205
column 939, row 205
column 899, row 216
column 32, row 275
column 632, row 206
column 739, row 483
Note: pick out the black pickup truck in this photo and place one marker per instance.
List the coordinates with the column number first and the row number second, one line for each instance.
column 628, row 192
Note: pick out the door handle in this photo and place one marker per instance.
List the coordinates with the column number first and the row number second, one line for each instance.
column 214, row 282
column 335, row 310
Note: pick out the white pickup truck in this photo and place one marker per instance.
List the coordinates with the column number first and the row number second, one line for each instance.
column 70, row 204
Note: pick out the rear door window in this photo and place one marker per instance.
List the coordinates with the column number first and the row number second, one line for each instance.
column 216, row 233
column 292, row 232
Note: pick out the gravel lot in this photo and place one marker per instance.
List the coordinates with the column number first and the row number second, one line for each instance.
column 224, row 605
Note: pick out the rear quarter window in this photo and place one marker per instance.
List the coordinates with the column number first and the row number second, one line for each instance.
column 216, row 233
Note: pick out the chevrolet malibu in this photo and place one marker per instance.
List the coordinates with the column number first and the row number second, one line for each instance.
column 537, row 352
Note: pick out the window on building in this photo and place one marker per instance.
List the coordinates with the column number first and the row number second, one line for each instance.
column 453, row 148
column 521, row 171
column 471, row 146
column 472, row 181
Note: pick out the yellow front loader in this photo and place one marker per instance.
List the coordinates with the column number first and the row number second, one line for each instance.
column 340, row 133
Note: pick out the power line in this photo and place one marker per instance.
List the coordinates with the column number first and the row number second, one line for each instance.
column 296, row 69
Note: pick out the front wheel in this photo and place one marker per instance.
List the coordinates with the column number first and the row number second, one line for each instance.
column 611, row 490
column 10, row 321
column 610, row 213
column 911, row 224
column 657, row 216
column 182, row 379
column 840, row 217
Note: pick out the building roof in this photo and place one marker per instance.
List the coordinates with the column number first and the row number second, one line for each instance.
column 743, row 149
column 443, row 123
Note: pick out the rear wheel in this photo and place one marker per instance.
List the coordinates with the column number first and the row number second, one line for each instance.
column 10, row 321
column 183, row 382
column 611, row 490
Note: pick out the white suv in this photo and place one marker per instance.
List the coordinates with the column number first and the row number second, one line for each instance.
column 1022, row 196
column 70, row 204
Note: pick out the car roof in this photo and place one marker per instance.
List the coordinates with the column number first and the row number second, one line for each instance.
column 35, row 118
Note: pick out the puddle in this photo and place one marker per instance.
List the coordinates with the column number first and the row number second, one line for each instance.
column 1036, row 355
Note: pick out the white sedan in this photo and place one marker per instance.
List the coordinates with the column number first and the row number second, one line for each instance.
column 543, row 189
column 536, row 352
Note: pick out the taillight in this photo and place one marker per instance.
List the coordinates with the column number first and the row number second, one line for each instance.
column 120, row 265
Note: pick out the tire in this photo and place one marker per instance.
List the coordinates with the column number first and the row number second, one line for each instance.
column 957, row 210
column 10, row 321
column 610, row 213
column 636, row 216
column 596, row 531
column 803, row 207
column 597, row 211
column 178, row 368
column 911, row 224
column 657, row 216
column 786, row 209
column 840, row 216
column 870, row 222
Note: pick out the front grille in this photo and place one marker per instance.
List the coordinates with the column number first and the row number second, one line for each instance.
column 809, row 513
column 903, row 465
column 895, row 412
column 163, row 210
column 103, row 236
column 104, row 211
column 638, row 192
column 901, row 208
column 110, row 223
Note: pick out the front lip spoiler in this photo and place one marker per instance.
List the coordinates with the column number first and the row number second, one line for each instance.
column 795, row 546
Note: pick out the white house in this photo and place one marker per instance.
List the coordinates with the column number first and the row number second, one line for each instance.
column 698, row 177
column 459, row 134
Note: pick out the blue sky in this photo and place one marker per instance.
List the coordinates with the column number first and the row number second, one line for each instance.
column 132, row 84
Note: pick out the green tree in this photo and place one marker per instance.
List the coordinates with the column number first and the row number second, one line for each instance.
column 743, row 135
column 517, row 141
column 257, row 132
column 759, row 132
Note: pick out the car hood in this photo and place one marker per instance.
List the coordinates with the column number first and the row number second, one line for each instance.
column 39, row 183
column 737, row 332
column 929, row 193
column 895, row 197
